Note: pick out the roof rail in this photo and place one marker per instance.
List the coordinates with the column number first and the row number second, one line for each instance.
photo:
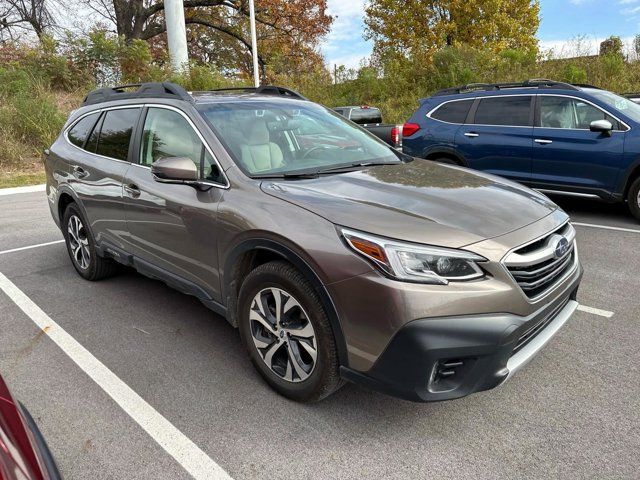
column 264, row 90
column 142, row 90
column 485, row 87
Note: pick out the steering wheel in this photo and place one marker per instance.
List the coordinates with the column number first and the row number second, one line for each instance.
column 313, row 149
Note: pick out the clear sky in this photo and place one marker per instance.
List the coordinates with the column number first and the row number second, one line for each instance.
column 561, row 21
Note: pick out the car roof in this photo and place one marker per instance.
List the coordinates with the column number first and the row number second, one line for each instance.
column 534, row 86
column 171, row 91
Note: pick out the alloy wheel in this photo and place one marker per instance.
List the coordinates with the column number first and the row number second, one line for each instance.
column 283, row 334
column 78, row 242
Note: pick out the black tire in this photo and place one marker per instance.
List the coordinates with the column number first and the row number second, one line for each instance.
column 633, row 198
column 447, row 161
column 96, row 267
column 324, row 378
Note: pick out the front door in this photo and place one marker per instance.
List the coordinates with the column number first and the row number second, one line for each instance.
column 173, row 227
column 567, row 155
column 498, row 138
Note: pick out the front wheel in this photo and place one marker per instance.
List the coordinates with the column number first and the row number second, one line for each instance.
column 633, row 198
column 286, row 331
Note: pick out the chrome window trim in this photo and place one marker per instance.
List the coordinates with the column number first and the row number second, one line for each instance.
column 521, row 126
column 224, row 186
column 481, row 98
column 573, row 97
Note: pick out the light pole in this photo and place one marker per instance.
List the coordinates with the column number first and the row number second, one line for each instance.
column 254, row 43
column 176, row 34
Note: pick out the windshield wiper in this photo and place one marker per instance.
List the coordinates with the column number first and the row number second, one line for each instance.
column 351, row 166
column 321, row 171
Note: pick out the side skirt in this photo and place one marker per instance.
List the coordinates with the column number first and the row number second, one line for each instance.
column 157, row 273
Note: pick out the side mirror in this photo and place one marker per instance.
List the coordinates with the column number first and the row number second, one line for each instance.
column 601, row 126
column 174, row 170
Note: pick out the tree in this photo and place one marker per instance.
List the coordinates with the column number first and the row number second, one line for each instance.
column 218, row 29
column 421, row 27
column 24, row 15
column 611, row 46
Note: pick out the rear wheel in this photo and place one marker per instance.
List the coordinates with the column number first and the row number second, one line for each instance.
column 81, row 246
column 633, row 198
column 287, row 333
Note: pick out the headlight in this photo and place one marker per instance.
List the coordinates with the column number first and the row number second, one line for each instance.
column 416, row 263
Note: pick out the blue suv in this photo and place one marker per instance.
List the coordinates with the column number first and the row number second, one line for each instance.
column 552, row 136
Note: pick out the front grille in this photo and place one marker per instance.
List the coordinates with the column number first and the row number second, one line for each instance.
column 538, row 327
column 537, row 267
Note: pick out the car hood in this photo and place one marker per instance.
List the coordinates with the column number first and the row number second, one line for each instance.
column 419, row 201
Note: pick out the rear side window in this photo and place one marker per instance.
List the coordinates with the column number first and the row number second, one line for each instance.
column 453, row 112
column 115, row 134
column 81, row 130
column 366, row 115
column 511, row 111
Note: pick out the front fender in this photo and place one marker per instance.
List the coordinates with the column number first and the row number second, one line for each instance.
column 297, row 260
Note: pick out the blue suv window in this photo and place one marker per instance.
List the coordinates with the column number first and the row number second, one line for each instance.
column 513, row 111
column 453, row 112
column 571, row 113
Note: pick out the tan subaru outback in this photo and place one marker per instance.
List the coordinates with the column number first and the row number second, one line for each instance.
column 337, row 257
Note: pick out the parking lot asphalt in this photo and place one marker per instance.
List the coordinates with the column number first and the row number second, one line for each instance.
column 574, row 412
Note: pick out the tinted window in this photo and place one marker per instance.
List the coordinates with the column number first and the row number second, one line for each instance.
column 167, row 134
column 115, row 134
column 366, row 115
column 512, row 111
column 81, row 130
column 569, row 113
column 453, row 112
column 92, row 143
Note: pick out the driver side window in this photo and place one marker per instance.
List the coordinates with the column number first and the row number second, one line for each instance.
column 570, row 113
column 166, row 133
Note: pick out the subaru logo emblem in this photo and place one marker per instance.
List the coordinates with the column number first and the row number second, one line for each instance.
column 562, row 247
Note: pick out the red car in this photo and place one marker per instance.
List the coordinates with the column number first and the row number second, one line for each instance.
column 24, row 455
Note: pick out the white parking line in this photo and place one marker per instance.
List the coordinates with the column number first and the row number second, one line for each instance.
column 55, row 242
column 595, row 311
column 29, row 189
column 199, row 465
column 605, row 227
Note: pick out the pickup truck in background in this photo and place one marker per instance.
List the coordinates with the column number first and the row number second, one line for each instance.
column 370, row 118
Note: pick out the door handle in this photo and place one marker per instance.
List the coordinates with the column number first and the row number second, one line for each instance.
column 471, row 135
column 132, row 190
column 80, row 172
column 543, row 142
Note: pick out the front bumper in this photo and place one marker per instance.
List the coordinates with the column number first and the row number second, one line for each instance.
column 450, row 357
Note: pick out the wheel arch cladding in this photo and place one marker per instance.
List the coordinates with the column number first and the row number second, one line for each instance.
column 251, row 253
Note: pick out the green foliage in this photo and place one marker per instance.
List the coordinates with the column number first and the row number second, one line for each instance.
column 574, row 74
column 29, row 116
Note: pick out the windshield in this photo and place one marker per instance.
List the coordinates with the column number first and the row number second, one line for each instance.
column 284, row 137
column 623, row 105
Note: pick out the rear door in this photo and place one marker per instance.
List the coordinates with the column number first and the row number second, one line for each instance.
column 498, row 137
column 173, row 227
column 98, row 167
column 567, row 154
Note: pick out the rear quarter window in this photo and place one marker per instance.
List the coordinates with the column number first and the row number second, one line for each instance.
column 82, row 129
column 453, row 112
